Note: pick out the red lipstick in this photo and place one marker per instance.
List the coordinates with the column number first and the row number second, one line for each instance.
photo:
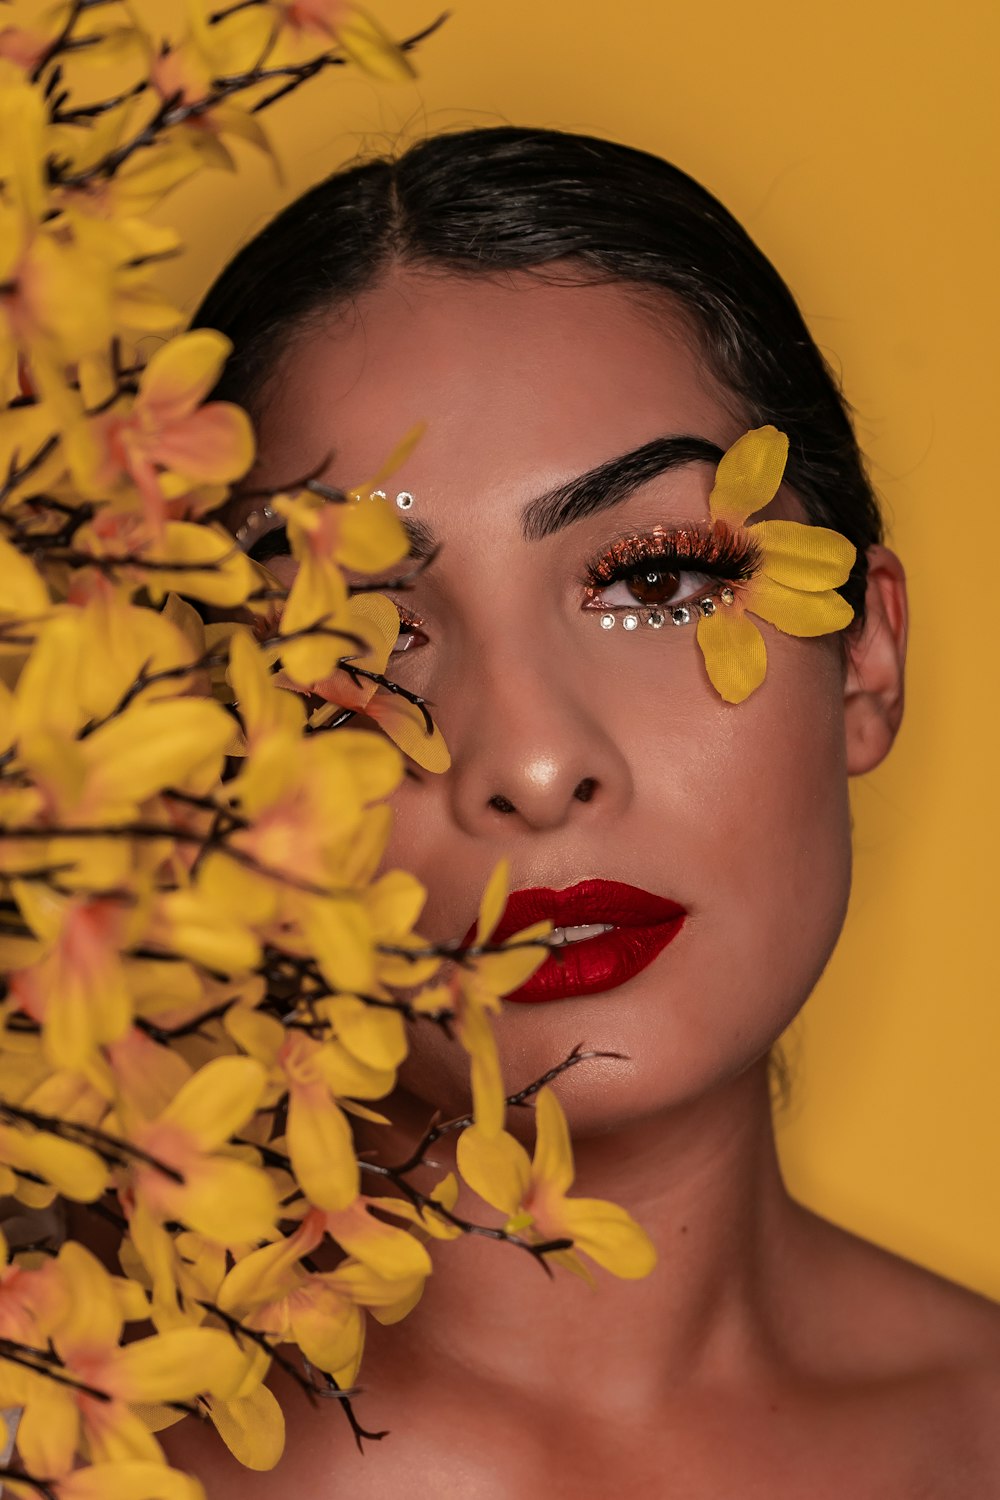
column 641, row 927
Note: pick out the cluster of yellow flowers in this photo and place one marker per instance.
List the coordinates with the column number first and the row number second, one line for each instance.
column 204, row 976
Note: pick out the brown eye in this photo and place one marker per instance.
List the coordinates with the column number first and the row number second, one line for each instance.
column 653, row 586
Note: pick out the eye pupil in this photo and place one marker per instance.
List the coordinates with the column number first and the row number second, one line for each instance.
column 654, row 586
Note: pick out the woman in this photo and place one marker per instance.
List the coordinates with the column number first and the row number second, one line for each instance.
column 585, row 331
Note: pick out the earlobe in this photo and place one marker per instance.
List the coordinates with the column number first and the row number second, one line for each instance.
column 876, row 654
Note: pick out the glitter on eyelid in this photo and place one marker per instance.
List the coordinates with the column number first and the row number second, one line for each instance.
column 715, row 547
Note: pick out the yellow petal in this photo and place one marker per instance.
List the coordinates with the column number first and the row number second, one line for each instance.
column 371, row 535
column 218, row 1099
column 339, row 933
column 328, row 1329
column 153, row 745
column 796, row 612
column 228, row 1201
column 213, row 445
column 610, row 1236
column 494, row 899
column 496, row 1167
column 49, row 1429
column 389, row 1301
column 553, row 1160
column 202, row 562
column 372, row 49
column 734, row 653
column 476, row 1035
column 321, row 1145
column 94, row 1318
column 181, row 373
column 503, row 972
column 748, row 475
column 252, row 1427
column 804, row 557
column 176, row 1366
column 374, row 1036
column 390, row 1252
column 262, row 706
column 74, row 1171
column 130, row 1479
column 405, row 725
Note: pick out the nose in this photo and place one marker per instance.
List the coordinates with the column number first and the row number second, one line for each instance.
column 528, row 749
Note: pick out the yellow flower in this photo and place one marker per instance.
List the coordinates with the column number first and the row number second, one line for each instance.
column 220, row 1196
column 44, row 262
column 376, row 620
column 166, row 442
column 270, row 1290
column 473, row 991
column 309, row 26
column 798, row 570
column 187, row 72
column 76, row 990
column 172, row 1366
column 534, row 1194
column 324, row 536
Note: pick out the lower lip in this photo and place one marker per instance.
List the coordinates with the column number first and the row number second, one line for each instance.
column 597, row 964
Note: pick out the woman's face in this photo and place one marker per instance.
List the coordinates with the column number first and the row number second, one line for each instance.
column 580, row 752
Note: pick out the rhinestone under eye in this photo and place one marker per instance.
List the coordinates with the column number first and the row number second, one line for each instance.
column 681, row 615
column 655, row 619
column 707, row 606
column 607, row 622
column 630, row 622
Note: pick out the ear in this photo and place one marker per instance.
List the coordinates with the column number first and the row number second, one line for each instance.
column 876, row 653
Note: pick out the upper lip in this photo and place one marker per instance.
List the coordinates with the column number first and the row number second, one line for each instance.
column 588, row 902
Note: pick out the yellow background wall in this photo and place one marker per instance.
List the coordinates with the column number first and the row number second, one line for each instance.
column 858, row 143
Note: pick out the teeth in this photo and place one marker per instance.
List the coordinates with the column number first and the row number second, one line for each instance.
column 562, row 935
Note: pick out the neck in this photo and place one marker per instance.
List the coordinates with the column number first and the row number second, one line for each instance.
column 704, row 1182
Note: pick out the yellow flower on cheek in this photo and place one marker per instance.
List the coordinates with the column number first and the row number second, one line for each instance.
column 799, row 568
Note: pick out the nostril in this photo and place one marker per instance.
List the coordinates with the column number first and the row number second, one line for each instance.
column 586, row 789
column 502, row 804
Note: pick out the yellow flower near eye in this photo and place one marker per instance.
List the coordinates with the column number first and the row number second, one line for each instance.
column 794, row 585
column 534, row 1195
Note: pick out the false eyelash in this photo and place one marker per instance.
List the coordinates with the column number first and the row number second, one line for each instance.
column 717, row 550
column 273, row 543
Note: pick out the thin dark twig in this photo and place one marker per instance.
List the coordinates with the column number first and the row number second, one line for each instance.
column 435, row 1131
column 43, row 1363
column 108, row 1147
column 332, row 1391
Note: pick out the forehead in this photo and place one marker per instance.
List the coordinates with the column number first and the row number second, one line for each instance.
column 521, row 380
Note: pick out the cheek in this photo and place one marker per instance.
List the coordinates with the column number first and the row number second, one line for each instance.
column 764, row 823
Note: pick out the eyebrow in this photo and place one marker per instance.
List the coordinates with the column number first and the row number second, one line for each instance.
column 599, row 489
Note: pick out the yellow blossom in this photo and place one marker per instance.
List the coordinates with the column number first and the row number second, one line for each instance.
column 218, row 1195
column 311, row 26
column 797, row 573
column 166, row 440
column 534, row 1194
column 474, row 989
column 110, row 1377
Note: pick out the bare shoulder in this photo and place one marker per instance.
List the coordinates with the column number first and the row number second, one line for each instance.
column 890, row 1306
column 913, row 1356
